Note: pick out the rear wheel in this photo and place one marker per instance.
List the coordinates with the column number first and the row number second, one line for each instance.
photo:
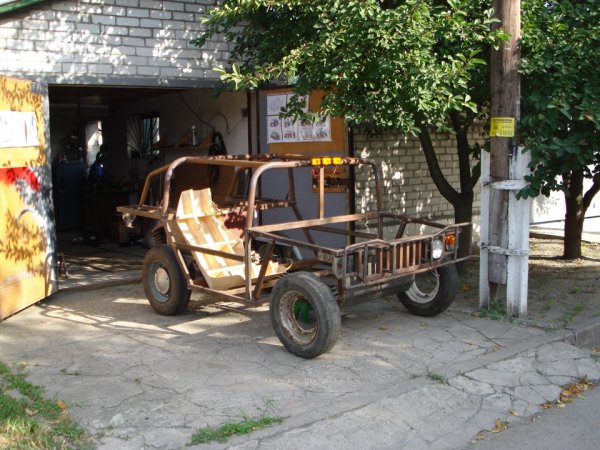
column 305, row 314
column 431, row 292
column 164, row 283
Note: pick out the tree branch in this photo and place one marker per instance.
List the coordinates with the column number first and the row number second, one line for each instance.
column 591, row 192
column 475, row 176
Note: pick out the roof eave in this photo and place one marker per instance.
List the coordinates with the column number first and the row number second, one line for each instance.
column 15, row 5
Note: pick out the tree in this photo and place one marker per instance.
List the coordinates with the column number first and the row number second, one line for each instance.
column 410, row 65
column 561, row 105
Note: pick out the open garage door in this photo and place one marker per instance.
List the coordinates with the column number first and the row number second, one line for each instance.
column 27, row 237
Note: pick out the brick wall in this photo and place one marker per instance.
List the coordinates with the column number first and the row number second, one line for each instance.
column 118, row 42
column 407, row 186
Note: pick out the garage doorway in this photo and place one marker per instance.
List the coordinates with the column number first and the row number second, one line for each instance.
column 135, row 130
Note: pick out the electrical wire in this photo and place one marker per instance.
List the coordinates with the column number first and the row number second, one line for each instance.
column 202, row 121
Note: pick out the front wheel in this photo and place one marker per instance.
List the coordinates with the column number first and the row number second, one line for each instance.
column 305, row 314
column 164, row 283
column 431, row 292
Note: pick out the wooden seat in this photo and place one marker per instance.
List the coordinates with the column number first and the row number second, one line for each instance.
column 201, row 225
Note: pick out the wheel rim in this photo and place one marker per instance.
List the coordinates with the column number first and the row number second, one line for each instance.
column 298, row 317
column 162, row 283
column 425, row 287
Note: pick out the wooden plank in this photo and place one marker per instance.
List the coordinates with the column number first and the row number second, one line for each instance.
column 484, row 212
column 518, row 240
column 212, row 245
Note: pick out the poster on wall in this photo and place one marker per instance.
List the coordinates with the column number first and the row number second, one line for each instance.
column 18, row 129
column 322, row 130
column 290, row 130
column 275, row 103
column 305, row 131
column 273, row 129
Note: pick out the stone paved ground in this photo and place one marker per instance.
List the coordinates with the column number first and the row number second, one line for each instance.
column 138, row 380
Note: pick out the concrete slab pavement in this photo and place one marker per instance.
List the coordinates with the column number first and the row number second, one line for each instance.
column 138, row 380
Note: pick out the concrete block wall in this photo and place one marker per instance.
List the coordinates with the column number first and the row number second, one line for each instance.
column 407, row 186
column 113, row 42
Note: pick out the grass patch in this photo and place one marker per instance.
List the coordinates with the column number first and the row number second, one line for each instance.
column 28, row 420
column 569, row 315
column 548, row 305
column 495, row 311
column 437, row 378
column 245, row 425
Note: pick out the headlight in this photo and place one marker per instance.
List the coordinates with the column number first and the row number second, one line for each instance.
column 437, row 248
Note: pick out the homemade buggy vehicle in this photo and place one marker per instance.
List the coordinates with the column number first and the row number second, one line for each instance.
column 197, row 248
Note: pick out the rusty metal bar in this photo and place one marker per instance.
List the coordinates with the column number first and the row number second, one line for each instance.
column 291, row 186
column 219, row 296
column 148, row 182
column 315, row 222
column 263, row 269
column 332, row 230
column 378, row 196
column 306, row 232
column 297, row 243
column 401, row 229
column 321, row 201
column 209, row 251
column 365, row 263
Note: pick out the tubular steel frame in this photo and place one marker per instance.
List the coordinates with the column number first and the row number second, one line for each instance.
column 370, row 268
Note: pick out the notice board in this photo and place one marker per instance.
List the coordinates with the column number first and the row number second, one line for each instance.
column 326, row 140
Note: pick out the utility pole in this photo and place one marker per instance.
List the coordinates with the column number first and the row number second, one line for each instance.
column 498, row 238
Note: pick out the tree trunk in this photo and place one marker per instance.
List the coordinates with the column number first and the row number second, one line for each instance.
column 463, row 212
column 574, row 215
column 462, row 202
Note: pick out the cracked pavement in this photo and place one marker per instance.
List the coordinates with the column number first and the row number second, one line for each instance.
column 137, row 380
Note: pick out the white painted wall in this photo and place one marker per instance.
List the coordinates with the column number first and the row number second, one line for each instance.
column 110, row 42
column 552, row 208
column 224, row 113
column 407, row 186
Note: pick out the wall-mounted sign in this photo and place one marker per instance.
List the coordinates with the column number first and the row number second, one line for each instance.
column 18, row 129
column 502, row 127
column 289, row 130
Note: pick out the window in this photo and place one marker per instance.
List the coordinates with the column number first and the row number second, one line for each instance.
column 142, row 135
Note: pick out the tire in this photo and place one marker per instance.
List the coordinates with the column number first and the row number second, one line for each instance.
column 305, row 315
column 437, row 297
column 164, row 283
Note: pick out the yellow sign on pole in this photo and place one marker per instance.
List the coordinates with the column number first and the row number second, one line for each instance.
column 502, row 127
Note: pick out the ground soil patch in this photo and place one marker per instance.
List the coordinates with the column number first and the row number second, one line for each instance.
column 560, row 292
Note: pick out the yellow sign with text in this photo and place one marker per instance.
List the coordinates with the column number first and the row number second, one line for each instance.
column 502, row 127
